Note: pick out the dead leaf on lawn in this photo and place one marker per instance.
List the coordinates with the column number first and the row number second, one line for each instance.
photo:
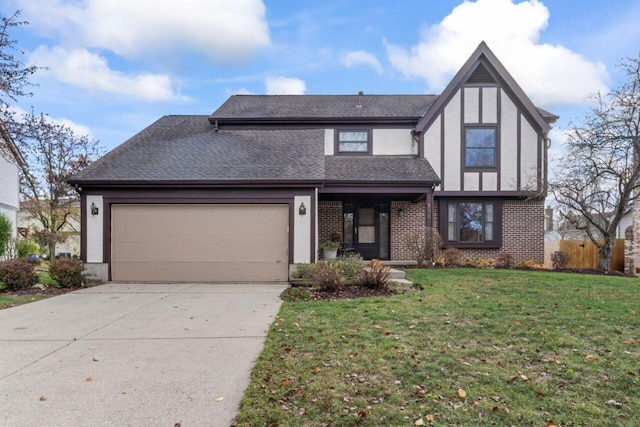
column 430, row 417
column 419, row 422
column 626, row 342
column 123, row 392
column 462, row 393
column 95, row 359
column 614, row 403
column 301, row 411
column 387, row 331
column 89, row 379
column 43, row 398
column 286, row 383
column 590, row 357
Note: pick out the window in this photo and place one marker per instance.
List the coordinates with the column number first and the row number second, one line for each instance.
column 353, row 141
column 471, row 223
column 480, row 147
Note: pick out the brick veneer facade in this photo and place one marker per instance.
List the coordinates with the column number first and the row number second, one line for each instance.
column 522, row 231
column 405, row 217
column 329, row 220
column 522, row 228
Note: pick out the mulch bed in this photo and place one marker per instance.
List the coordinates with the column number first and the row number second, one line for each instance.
column 349, row 292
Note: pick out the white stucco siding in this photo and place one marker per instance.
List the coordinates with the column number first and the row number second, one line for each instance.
column 393, row 142
column 302, row 231
column 452, row 144
column 528, row 156
column 489, row 105
column 489, row 181
column 472, row 105
column 94, row 229
column 432, row 141
column 508, row 145
column 328, row 142
column 471, row 181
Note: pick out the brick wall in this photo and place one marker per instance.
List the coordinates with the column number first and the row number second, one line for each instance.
column 522, row 232
column 405, row 218
column 329, row 219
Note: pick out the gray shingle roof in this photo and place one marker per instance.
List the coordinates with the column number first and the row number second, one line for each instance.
column 323, row 106
column 187, row 148
column 379, row 168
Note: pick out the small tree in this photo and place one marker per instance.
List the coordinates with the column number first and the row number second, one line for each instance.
column 423, row 244
column 598, row 175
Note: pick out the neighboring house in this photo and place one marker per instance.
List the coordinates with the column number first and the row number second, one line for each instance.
column 262, row 182
column 10, row 161
column 28, row 224
column 625, row 222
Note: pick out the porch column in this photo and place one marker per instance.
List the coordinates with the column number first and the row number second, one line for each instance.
column 428, row 201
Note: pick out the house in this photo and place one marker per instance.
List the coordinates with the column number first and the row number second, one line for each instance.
column 28, row 225
column 10, row 162
column 258, row 185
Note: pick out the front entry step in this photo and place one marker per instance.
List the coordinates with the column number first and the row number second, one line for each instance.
column 397, row 274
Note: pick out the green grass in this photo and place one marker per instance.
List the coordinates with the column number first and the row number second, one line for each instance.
column 528, row 348
column 7, row 301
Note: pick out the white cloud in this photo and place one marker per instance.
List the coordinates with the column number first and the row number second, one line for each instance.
column 549, row 74
column 77, row 128
column 285, row 86
column 81, row 68
column 223, row 30
column 360, row 57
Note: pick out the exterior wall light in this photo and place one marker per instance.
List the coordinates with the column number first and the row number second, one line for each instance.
column 302, row 210
column 94, row 209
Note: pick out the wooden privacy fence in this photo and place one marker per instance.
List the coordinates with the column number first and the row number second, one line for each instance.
column 583, row 253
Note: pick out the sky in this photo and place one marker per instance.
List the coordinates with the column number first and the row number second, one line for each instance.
column 115, row 66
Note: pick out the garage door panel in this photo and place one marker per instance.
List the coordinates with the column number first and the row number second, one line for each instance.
column 200, row 242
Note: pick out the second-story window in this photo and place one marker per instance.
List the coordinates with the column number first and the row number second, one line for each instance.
column 480, row 147
column 353, row 141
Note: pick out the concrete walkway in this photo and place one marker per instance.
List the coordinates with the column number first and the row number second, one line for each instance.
column 133, row 354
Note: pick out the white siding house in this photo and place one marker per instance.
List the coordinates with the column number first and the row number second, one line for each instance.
column 10, row 160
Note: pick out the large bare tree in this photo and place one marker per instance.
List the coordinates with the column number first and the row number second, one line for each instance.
column 598, row 176
column 53, row 152
column 14, row 73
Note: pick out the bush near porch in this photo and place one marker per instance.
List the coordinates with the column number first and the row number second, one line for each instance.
column 490, row 347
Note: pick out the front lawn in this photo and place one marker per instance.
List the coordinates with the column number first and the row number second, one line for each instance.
column 475, row 347
column 7, row 301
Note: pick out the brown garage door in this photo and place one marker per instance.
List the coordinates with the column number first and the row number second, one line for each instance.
column 185, row 243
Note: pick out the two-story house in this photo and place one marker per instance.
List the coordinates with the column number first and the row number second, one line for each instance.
column 262, row 182
column 10, row 161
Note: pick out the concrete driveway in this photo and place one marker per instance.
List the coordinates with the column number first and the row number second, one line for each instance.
column 133, row 354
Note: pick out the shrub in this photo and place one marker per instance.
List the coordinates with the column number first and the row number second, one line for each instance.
column 303, row 271
column 350, row 265
column 66, row 271
column 480, row 262
column 326, row 276
column 17, row 274
column 560, row 259
column 504, row 261
column 26, row 247
column 6, row 231
column 532, row 265
column 375, row 276
column 452, row 257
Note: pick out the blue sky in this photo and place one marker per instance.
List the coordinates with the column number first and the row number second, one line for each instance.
column 116, row 66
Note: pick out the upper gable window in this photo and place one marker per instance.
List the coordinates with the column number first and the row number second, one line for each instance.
column 480, row 147
column 354, row 141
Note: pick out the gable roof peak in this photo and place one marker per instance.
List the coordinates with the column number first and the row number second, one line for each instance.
column 484, row 56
